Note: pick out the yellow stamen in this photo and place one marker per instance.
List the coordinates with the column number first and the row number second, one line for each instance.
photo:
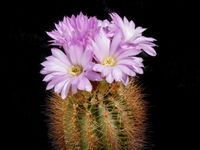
column 75, row 70
column 109, row 61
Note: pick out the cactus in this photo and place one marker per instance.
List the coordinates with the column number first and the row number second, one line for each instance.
column 111, row 117
column 94, row 105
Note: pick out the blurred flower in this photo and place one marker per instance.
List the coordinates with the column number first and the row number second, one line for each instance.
column 71, row 70
column 132, row 36
column 113, row 62
column 77, row 30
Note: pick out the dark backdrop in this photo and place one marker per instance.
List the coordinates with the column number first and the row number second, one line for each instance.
column 171, row 79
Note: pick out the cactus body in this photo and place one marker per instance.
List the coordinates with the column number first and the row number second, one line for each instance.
column 111, row 117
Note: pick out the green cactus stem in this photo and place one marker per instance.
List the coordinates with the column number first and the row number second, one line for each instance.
column 111, row 117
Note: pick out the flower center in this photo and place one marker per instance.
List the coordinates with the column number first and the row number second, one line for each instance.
column 75, row 70
column 109, row 61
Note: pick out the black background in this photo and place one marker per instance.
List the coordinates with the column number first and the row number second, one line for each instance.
column 171, row 79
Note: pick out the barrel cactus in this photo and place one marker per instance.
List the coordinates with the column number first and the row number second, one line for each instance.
column 96, row 103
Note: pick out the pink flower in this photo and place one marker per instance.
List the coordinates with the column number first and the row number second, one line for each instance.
column 93, row 50
column 77, row 30
column 72, row 70
column 132, row 36
column 113, row 62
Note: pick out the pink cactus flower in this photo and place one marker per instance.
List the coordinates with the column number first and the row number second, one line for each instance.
column 77, row 30
column 132, row 36
column 113, row 62
column 71, row 70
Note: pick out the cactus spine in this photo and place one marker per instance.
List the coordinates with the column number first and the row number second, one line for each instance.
column 111, row 117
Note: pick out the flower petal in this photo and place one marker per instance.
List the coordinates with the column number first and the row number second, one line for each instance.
column 102, row 45
column 117, row 74
column 74, row 85
column 109, row 78
column 51, row 75
column 65, row 90
column 106, row 71
column 55, row 68
column 127, row 70
column 115, row 43
column 125, row 80
column 137, row 69
column 60, row 55
column 149, row 50
column 98, row 68
column 84, row 84
column 52, row 61
column 59, row 86
column 93, row 76
column 55, row 81
column 97, row 52
column 88, row 85
column 144, row 39
column 74, row 54
column 125, row 61
column 86, row 57
column 128, row 53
